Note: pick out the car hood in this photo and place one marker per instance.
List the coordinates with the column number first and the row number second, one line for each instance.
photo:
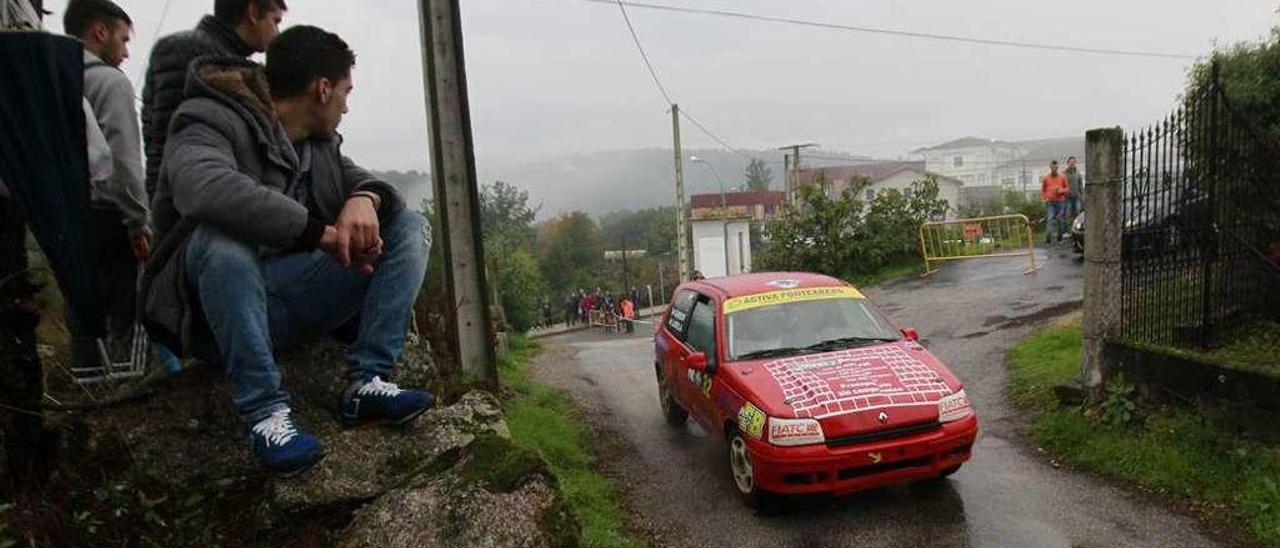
column 851, row 391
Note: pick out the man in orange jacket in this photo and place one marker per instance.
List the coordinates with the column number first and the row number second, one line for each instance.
column 1054, row 189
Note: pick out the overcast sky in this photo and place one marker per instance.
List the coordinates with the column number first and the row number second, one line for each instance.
column 562, row 76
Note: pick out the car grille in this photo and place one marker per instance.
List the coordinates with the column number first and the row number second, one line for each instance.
column 881, row 435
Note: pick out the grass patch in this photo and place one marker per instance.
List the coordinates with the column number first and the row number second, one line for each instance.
column 1173, row 451
column 540, row 419
column 1248, row 346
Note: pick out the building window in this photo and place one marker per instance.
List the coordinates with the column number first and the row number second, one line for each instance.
column 871, row 194
column 958, row 161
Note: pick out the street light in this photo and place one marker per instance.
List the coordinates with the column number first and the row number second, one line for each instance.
column 724, row 210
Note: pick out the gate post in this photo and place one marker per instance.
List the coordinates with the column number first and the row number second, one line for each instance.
column 1104, row 154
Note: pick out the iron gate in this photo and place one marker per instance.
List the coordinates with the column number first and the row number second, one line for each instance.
column 1201, row 222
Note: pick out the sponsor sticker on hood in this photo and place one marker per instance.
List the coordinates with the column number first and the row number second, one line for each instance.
column 859, row 379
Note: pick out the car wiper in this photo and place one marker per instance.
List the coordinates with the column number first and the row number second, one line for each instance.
column 770, row 353
column 847, row 342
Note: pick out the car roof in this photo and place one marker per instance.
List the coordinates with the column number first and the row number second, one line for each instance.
column 762, row 282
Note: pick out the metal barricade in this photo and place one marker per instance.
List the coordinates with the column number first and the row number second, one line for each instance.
column 978, row 238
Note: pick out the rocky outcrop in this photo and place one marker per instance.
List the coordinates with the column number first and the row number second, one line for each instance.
column 450, row 478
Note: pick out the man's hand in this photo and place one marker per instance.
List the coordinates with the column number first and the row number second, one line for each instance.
column 354, row 239
column 141, row 244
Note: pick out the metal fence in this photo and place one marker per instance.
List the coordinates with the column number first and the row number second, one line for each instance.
column 1201, row 219
column 980, row 237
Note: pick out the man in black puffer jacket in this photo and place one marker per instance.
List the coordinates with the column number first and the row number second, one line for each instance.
column 237, row 28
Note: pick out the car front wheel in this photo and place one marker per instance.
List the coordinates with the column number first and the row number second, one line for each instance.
column 671, row 409
column 744, row 475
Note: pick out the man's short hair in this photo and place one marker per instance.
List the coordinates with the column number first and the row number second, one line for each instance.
column 1070, row 158
column 303, row 53
column 82, row 14
column 232, row 12
column 1053, row 162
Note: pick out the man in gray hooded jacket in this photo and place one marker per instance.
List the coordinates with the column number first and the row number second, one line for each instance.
column 271, row 236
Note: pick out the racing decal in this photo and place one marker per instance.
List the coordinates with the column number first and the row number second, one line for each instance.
column 782, row 431
column 751, row 420
column 738, row 304
column 858, row 379
column 701, row 380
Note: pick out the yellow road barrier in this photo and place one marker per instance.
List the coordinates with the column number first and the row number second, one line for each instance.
column 977, row 238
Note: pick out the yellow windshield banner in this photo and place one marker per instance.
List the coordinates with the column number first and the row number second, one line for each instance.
column 738, row 304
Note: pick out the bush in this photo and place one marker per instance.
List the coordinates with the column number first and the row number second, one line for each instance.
column 846, row 237
column 521, row 288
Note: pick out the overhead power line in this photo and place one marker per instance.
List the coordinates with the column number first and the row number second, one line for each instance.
column 900, row 32
column 636, row 38
column 713, row 136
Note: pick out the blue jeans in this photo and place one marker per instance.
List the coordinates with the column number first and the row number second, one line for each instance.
column 1073, row 206
column 254, row 304
column 1055, row 213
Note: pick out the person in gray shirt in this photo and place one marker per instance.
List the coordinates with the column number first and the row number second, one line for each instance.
column 122, row 238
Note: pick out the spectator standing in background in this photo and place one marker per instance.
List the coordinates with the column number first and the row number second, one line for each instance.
column 1054, row 190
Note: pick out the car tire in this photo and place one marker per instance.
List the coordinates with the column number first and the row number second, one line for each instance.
column 674, row 414
column 743, row 475
column 946, row 472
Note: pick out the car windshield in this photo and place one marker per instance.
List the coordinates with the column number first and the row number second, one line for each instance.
column 792, row 328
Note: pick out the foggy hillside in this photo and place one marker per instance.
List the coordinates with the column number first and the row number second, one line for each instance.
column 601, row 182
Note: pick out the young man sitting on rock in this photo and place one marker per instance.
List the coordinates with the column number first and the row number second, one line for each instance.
column 281, row 238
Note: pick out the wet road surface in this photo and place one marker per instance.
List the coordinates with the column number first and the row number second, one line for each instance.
column 677, row 480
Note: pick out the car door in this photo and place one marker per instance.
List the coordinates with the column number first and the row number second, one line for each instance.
column 670, row 349
column 700, row 336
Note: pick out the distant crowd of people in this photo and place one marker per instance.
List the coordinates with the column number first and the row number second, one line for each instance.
column 617, row 309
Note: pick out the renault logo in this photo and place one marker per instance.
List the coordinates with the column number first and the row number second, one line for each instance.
column 883, row 417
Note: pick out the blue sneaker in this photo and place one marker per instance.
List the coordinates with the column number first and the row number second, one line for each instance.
column 372, row 400
column 281, row 446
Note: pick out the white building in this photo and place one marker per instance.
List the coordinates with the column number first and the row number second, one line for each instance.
column 709, row 249
column 988, row 167
column 882, row 176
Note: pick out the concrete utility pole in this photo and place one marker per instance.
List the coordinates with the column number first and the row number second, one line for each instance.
column 793, row 178
column 1104, row 177
column 682, row 214
column 453, row 175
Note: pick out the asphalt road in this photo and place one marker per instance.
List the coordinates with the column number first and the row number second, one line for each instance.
column 677, row 481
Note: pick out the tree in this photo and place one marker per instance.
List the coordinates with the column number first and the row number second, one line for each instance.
column 570, row 252
column 845, row 236
column 1249, row 77
column 758, row 175
column 506, row 220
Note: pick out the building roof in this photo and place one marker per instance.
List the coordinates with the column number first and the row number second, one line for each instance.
column 738, row 199
column 873, row 172
column 963, row 142
column 1042, row 151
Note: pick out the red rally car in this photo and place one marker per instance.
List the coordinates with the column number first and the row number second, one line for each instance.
column 813, row 388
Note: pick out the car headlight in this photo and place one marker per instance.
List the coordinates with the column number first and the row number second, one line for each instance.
column 788, row 432
column 954, row 407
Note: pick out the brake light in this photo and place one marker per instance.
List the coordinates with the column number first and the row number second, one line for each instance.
column 954, row 407
column 788, row 432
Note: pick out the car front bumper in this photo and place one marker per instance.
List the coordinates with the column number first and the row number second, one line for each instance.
column 843, row 470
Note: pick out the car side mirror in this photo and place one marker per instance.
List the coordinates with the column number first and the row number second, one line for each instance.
column 696, row 361
column 911, row 334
